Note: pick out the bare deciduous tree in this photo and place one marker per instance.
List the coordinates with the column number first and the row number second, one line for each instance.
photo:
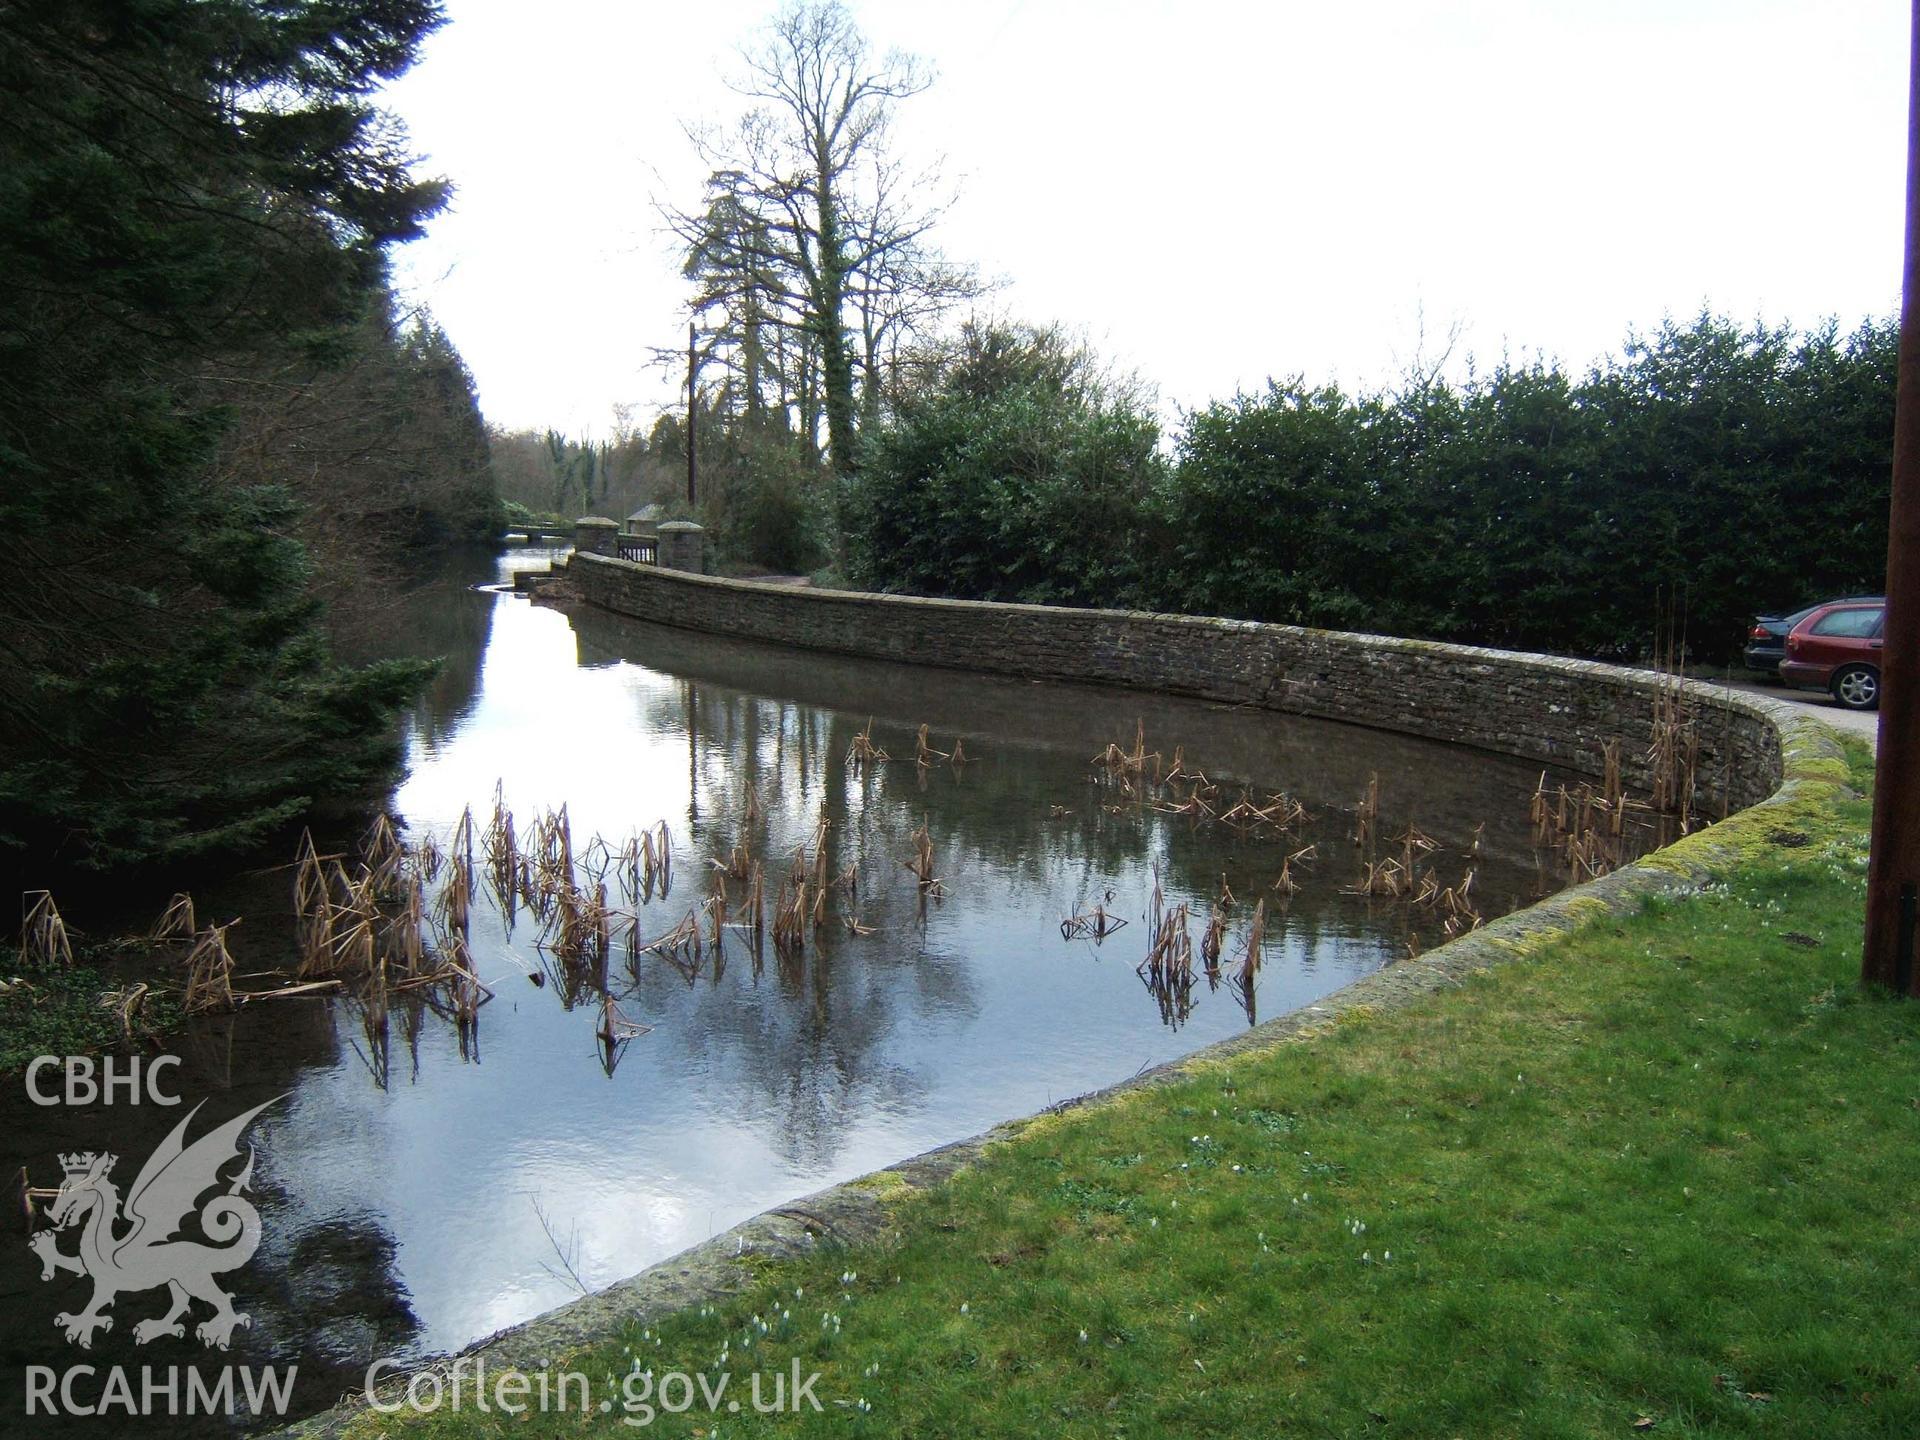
column 811, row 256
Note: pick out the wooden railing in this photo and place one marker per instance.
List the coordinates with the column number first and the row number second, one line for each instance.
column 644, row 548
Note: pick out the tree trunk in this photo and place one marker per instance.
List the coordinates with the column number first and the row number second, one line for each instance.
column 836, row 365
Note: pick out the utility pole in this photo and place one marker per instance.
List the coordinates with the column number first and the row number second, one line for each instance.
column 693, row 369
column 1893, row 873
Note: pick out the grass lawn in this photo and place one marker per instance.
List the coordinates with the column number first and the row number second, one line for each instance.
column 1664, row 1176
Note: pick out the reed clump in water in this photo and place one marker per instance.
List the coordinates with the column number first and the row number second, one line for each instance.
column 176, row 922
column 499, row 842
column 1128, row 769
column 1168, row 968
column 645, row 865
column 1285, row 883
column 1255, row 939
column 755, row 919
column 791, row 909
column 313, row 915
column 127, row 1005
column 683, row 944
column 716, row 908
column 736, row 864
column 1170, row 956
column 1588, row 827
column 615, row 1031
column 1367, row 814
column 1212, row 939
column 209, row 966
column 1280, row 812
column 924, row 753
column 1095, row 924
column 383, row 857
column 921, row 863
column 1455, row 902
column 44, row 942
column 368, row 927
column 863, row 752
column 1198, row 803
column 1246, row 976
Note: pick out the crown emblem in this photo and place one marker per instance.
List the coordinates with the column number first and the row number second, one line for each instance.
column 81, row 1161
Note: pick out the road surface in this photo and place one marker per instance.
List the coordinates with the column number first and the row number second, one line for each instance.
column 1820, row 705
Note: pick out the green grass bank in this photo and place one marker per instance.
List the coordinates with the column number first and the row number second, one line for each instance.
column 1657, row 1175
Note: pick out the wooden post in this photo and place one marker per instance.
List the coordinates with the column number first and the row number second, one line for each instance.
column 1893, row 873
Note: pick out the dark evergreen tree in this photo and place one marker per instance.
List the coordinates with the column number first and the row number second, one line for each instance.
column 184, row 184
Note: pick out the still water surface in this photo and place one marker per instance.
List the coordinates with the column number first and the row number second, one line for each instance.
column 415, row 1202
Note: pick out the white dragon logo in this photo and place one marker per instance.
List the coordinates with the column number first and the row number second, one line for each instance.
column 147, row 1254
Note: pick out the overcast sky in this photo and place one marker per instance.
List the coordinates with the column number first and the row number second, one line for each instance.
column 1212, row 193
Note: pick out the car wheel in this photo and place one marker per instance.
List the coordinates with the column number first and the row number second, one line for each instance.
column 1857, row 687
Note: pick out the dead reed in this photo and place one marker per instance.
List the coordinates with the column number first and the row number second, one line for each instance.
column 312, row 908
column 1250, row 955
column 736, row 864
column 716, row 908
column 383, row 856
column 209, row 967
column 790, row 911
column 1095, row 923
column 1366, row 816
column 863, row 752
column 682, row 944
column 1170, row 956
column 925, row 754
column 176, row 922
column 1211, row 941
column 1285, row 883
column 44, row 943
column 921, row 863
column 126, row 1005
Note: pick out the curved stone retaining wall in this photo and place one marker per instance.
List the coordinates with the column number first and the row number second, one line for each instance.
column 1557, row 712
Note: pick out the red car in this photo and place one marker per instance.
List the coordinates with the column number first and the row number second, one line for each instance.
column 1837, row 648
